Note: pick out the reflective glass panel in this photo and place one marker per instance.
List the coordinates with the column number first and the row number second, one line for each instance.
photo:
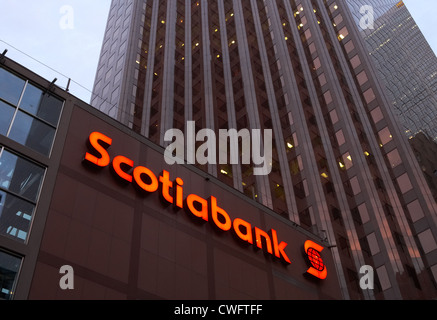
column 15, row 216
column 6, row 114
column 11, row 87
column 32, row 133
column 41, row 105
column 9, row 267
column 20, row 176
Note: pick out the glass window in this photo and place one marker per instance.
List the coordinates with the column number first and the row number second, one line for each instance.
column 6, row 114
column 32, row 133
column 20, row 176
column 383, row 278
column 384, row 136
column 427, row 241
column 338, row 19
column 15, row 216
column 394, row 158
column 347, row 160
column 377, row 115
column 369, row 96
column 415, row 210
column 343, row 33
column 404, row 183
column 334, row 116
column 373, row 243
column 364, row 214
column 9, row 267
column 322, row 79
column 355, row 61
column 20, row 184
column 340, row 137
column 349, row 46
column 34, row 120
column 316, row 63
column 43, row 106
column 362, row 78
column 11, row 87
column 355, row 185
column 328, row 97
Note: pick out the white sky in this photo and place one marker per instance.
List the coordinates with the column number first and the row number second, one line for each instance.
column 41, row 30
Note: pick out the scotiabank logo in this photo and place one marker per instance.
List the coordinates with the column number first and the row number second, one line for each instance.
column 317, row 267
column 172, row 192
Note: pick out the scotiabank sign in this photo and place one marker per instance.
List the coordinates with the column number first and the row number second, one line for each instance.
column 172, row 192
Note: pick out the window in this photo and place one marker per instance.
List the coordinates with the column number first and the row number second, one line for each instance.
column 394, row 158
column 355, row 61
column 340, row 137
column 384, row 136
column 362, row 78
column 373, row 244
column 20, row 184
column 11, row 87
column 369, row 96
column 334, row 116
column 427, row 241
column 377, row 115
column 355, row 185
column 27, row 114
column 349, row 46
column 404, row 183
column 364, row 214
column 383, row 278
column 9, row 267
column 415, row 210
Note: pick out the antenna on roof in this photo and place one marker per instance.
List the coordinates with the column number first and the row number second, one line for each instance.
column 2, row 56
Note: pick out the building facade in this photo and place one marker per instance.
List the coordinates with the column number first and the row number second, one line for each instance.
column 89, row 210
column 342, row 166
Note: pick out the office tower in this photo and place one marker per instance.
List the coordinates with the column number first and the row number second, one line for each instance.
column 406, row 63
column 407, row 66
column 342, row 167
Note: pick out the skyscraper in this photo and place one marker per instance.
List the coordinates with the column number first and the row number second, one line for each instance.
column 406, row 64
column 342, row 166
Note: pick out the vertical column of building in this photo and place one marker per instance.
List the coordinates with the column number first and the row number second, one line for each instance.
column 150, row 75
column 179, row 105
column 406, row 187
column 141, row 64
column 356, row 172
column 167, row 94
column 111, row 92
column 207, row 74
column 337, row 220
column 283, row 185
column 229, row 105
column 262, row 182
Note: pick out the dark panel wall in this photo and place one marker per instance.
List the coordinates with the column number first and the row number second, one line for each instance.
column 122, row 244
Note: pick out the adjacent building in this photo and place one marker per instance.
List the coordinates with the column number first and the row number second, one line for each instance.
column 405, row 62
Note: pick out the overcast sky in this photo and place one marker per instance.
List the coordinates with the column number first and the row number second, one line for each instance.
column 66, row 35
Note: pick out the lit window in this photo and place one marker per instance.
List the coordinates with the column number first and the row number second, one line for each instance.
column 9, row 267
column 20, row 184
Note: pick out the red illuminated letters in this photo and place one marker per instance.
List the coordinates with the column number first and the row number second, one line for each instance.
column 104, row 159
column 172, row 193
